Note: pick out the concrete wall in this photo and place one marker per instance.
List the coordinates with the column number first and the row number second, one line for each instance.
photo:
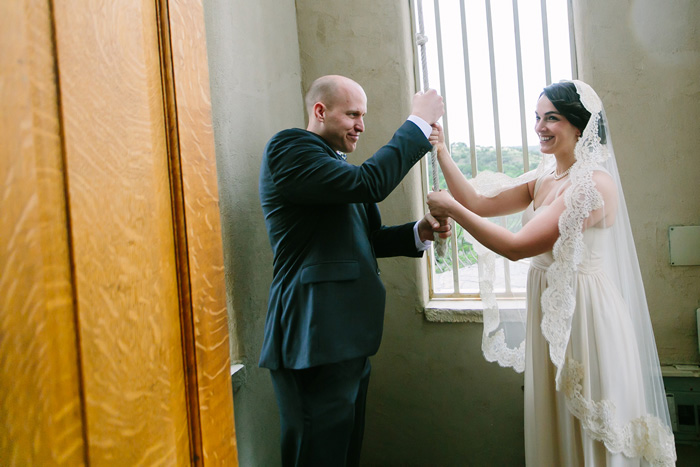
column 433, row 399
column 256, row 91
column 643, row 58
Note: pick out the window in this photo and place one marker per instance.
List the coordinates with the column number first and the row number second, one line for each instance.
column 490, row 60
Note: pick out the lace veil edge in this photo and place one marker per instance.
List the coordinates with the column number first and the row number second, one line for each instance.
column 648, row 436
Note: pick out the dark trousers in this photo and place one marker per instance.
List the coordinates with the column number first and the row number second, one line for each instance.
column 322, row 413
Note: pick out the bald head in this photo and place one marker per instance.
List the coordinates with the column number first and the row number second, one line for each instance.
column 328, row 89
column 336, row 106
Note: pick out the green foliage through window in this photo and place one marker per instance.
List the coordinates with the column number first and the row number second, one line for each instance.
column 513, row 166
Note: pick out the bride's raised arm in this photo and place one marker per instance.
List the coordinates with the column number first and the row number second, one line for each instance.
column 534, row 238
column 509, row 201
column 537, row 236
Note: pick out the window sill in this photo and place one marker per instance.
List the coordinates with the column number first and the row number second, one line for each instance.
column 464, row 311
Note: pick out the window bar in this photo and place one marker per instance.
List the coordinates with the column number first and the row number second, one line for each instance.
column 418, row 13
column 445, row 126
column 572, row 41
column 432, row 259
column 455, row 260
column 441, row 68
column 545, row 39
column 468, row 88
column 496, row 119
column 506, row 264
column 521, row 90
column 494, row 90
column 506, row 273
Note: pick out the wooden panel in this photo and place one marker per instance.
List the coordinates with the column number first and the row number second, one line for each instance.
column 40, row 409
column 126, row 280
column 195, row 139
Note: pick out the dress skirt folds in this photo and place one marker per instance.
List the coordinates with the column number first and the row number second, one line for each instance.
column 603, row 343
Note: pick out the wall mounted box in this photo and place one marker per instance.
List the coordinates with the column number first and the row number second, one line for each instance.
column 684, row 245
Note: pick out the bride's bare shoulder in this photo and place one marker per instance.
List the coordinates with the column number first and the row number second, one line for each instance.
column 605, row 184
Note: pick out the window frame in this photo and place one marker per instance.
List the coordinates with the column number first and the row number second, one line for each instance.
column 459, row 305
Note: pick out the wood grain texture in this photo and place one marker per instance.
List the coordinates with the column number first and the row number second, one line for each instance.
column 122, row 232
column 40, row 406
column 202, row 219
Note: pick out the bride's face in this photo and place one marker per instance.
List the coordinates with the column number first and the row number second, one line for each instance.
column 557, row 135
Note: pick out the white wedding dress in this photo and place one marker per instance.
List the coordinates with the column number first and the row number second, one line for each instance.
column 594, row 392
column 602, row 341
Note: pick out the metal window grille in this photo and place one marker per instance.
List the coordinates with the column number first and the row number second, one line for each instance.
column 490, row 59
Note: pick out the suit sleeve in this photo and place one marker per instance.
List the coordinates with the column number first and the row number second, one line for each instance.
column 306, row 173
column 397, row 240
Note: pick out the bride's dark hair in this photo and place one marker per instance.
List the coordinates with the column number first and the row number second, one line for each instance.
column 565, row 99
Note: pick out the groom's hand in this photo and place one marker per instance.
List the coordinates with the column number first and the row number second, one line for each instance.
column 429, row 225
column 428, row 106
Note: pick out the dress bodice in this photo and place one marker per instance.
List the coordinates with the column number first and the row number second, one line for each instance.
column 594, row 240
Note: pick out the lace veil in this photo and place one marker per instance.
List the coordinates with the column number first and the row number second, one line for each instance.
column 648, row 435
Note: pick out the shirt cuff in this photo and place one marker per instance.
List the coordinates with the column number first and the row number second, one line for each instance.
column 422, row 124
column 420, row 246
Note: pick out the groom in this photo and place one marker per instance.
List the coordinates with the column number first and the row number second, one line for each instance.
column 326, row 304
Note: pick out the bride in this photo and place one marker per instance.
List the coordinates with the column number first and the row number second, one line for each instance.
column 593, row 388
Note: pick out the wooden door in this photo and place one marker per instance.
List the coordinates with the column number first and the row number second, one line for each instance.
column 113, row 323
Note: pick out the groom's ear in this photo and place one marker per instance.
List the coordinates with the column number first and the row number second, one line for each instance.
column 319, row 112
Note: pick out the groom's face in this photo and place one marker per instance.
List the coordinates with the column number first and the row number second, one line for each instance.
column 344, row 118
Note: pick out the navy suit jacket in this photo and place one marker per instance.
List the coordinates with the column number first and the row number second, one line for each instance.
column 326, row 299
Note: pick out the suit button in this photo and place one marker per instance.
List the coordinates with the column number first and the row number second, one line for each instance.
column 378, row 271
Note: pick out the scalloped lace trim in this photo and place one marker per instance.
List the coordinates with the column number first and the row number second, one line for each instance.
column 493, row 342
column 493, row 345
column 580, row 199
column 646, row 436
column 558, row 300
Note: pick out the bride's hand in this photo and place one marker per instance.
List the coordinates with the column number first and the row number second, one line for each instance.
column 440, row 203
column 437, row 139
column 437, row 136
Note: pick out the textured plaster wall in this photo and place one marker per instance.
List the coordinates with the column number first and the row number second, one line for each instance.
column 643, row 58
column 256, row 91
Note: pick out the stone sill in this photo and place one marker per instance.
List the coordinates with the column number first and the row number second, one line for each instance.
column 463, row 310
